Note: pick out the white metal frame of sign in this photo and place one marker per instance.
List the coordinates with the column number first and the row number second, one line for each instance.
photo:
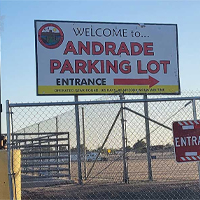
column 75, row 58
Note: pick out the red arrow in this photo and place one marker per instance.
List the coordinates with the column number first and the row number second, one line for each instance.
column 150, row 81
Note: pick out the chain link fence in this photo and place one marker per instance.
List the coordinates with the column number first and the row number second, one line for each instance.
column 124, row 152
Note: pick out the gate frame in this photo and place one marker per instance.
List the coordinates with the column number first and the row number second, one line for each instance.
column 76, row 103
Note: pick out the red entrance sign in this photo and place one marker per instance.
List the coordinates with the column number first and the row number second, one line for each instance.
column 187, row 140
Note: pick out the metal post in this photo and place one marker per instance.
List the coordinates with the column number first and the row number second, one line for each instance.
column 17, row 143
column 38, row 128
column 40, row 145
column 125, row 171
column 26, row 161
column 78, row 140
column 195, row 118
column 9, row 149
column 57, row 125
column 40, row 155
column 57, row 154
column 148, row 138
column 84, row 152
column 69, row 156
column 33, row 165
column 0, row 87
column 194, row 109
column 49, row 149
column 24, row 134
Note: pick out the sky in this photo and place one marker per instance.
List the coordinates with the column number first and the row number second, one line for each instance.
column 18, row 65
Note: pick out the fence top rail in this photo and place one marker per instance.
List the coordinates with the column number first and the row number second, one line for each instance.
column 101, row 102
column 41, row 139
column 47, row 134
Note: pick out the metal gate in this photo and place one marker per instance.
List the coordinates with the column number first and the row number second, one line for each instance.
column 43, row 157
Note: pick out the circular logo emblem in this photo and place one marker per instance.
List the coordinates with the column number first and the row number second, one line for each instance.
column 50, row 36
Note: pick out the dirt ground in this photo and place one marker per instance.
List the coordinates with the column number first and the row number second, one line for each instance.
column 171, row 180
column 162, row 170
column 116, row 191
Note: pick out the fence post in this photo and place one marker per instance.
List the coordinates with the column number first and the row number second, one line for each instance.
column 148, row 138
column 57, row 154
column 84, row 151
column 195, row 118
column 9, row 149
column 33, row 168
column 40, row 145
column 49, row 149
column 40, row 154
column 125, row 169
column 78, row 140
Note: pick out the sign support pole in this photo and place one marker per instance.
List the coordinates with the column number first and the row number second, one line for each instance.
column 125, row 170
column 195, row 118
column 148, row 138
column 78, row 140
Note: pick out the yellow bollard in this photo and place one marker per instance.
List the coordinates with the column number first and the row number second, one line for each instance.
column 4, row 183
column 17, row 174
column 16, row 180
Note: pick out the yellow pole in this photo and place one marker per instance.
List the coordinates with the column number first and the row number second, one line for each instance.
column 17, row 174
column 16, row 180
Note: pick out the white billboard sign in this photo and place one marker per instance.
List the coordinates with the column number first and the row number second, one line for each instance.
column 106, row 58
